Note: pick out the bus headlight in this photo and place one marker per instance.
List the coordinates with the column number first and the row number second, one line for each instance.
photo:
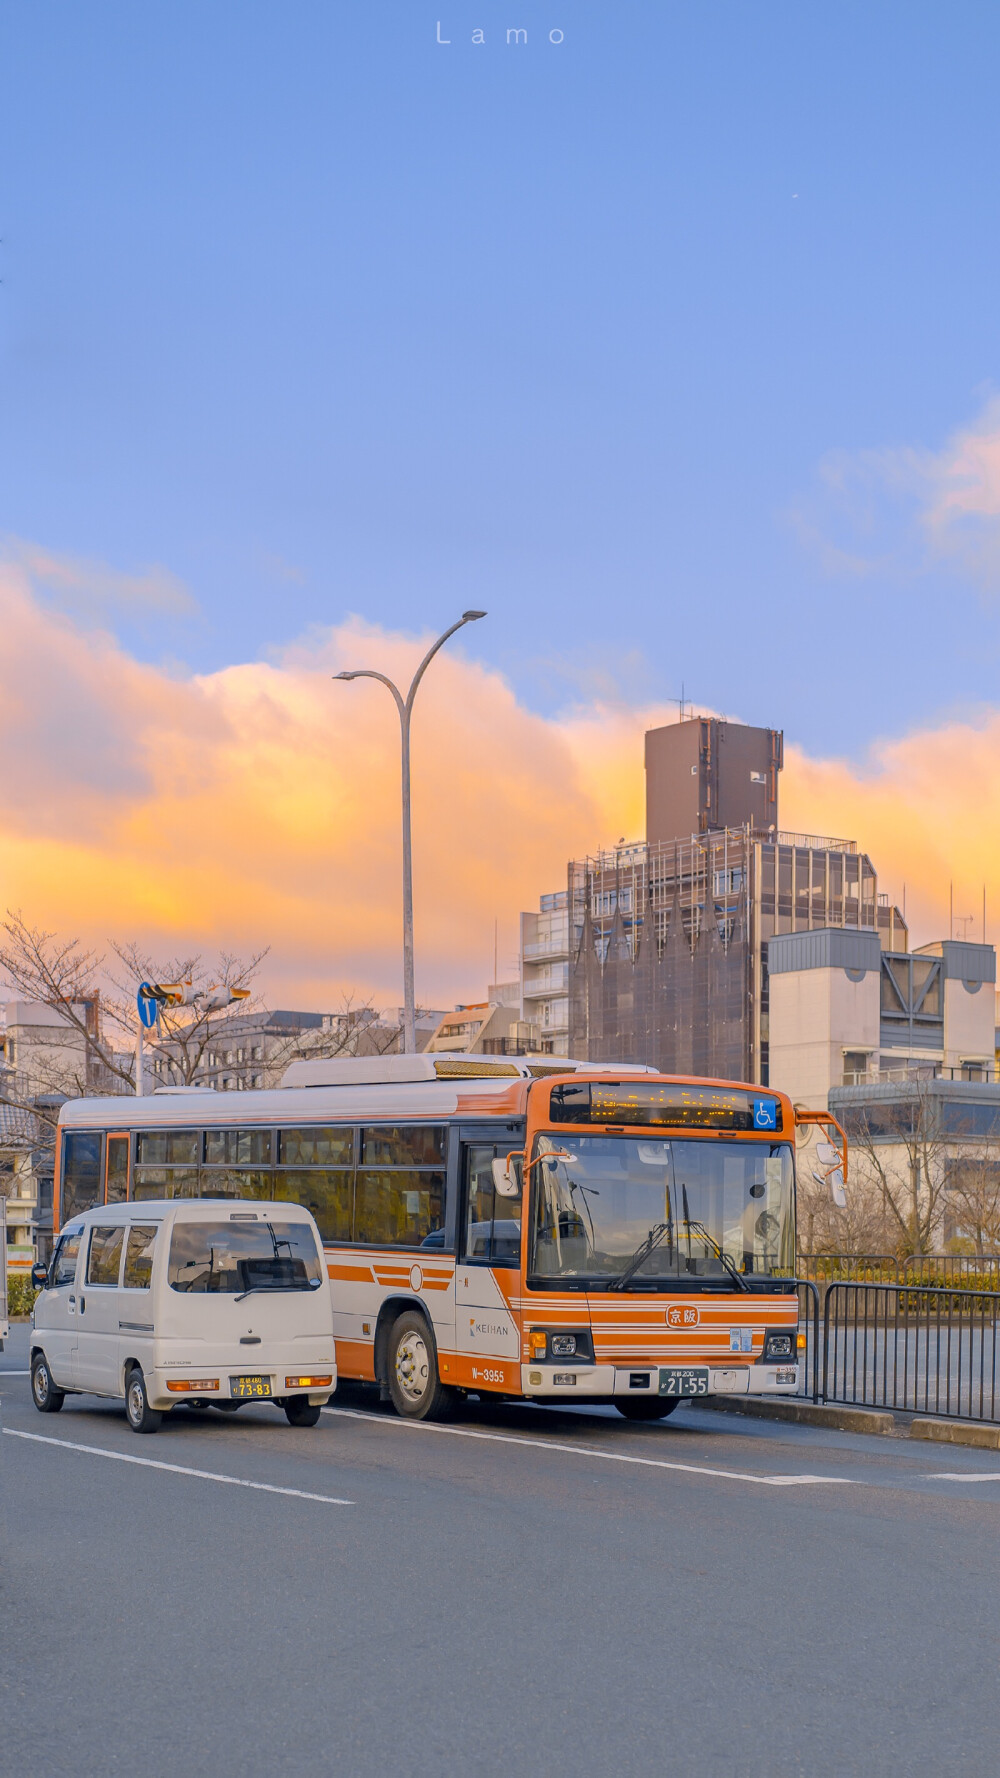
column 560, row 1343
column 778, row 1343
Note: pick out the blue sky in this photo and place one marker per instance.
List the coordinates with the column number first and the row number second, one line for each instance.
column 320, row 316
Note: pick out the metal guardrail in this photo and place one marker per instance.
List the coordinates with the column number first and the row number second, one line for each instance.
column 862, row 1268
column 960, row 1271
column 912, row 1347
column 809, row 1323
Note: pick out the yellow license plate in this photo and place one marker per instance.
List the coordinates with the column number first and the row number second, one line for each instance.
column 247, row 1388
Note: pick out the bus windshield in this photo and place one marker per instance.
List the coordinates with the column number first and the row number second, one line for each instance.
column 597, row 1199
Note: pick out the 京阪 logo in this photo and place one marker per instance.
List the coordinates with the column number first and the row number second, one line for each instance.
column 679, row 1316
column 486, row 1329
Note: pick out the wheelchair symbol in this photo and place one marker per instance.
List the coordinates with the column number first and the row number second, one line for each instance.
column 765, row 1114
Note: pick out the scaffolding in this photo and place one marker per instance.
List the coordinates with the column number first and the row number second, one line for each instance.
column 668, row 942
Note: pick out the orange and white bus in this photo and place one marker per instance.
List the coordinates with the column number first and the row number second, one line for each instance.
column 499, row 1225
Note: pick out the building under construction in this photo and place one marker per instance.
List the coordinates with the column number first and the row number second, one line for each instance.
column 668, row 938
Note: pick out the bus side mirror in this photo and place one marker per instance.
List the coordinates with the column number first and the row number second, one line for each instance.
column 39, row 1275
column 835, row 1181
column 506, row 1176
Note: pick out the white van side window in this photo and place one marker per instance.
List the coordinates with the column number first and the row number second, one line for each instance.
column 139, row 1256
column 65, row 1258
column 104, row 1258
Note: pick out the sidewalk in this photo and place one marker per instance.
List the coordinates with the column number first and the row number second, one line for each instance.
column 984, row 1435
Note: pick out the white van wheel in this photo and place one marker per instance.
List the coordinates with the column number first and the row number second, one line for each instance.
column 46, row 1397
column 141, row 1417
column 300, row 1411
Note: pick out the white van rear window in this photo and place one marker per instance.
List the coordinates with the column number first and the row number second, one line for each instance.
column 232, row 1259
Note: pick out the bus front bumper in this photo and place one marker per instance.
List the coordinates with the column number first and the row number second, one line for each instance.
column 606, row 1382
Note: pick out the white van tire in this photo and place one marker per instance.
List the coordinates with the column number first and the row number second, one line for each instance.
column 46, row 1397
column 411, row 1360
column 300, row 1411
column 141, row 1417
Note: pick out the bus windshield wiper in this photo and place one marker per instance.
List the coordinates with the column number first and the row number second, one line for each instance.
column 642, row 1252
column 723, row 1258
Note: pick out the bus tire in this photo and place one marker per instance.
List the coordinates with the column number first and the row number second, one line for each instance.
column 141, row 1417
column 46, row 1397
column 649, row 1407
column 414, row 1384
column 300, row 1411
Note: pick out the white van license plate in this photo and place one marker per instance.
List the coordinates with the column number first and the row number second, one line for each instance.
column 684, row 1382
column 256, row 1387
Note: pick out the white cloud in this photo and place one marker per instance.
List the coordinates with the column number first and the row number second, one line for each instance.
column 901, row 512
column 93, row 589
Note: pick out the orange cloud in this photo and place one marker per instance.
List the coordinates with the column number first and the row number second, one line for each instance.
column 260, row 804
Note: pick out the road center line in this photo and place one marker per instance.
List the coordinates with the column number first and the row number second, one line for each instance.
column 537, row 1444
column 203, row 1475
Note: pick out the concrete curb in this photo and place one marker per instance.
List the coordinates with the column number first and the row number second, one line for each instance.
column 957, row 1432
column 868, row 1420
column 805, row 1413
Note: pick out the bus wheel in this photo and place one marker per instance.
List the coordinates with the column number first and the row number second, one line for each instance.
column 46, row 1397
column 648, row 1407
column 416, row 1389
column 141, row 1417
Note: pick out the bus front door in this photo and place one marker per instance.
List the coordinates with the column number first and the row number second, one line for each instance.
column 487, row 1276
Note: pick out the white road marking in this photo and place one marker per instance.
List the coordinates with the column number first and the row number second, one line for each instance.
column 5, row 1373
column 537, row 1444
column 963, row 1476
column 203, row 1475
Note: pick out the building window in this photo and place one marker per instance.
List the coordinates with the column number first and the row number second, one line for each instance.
column 855, row 1067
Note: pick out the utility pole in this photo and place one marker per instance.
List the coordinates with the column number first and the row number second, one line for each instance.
column 405, row 709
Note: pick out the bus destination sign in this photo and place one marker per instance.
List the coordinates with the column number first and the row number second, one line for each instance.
column 673, row 1106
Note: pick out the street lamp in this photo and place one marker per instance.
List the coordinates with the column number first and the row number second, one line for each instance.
column 405, row 707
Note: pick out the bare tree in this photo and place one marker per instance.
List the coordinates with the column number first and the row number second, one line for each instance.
column 89, row 1045
column 972, row 1186
column 182, row 1034
column 900, row 1159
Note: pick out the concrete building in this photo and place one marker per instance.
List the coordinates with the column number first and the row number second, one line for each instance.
column 545, row 948
column 706, row 774
column 491, row 1027
column 657, row 950
column 844, row 1012
column 44, row 1060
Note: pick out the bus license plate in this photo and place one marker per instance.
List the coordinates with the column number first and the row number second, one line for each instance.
column 255, row 1387
column 676, row 1381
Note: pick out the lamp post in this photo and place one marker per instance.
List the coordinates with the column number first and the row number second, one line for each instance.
column 405, row 708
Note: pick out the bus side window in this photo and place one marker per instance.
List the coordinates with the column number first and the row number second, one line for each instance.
column 82, row 1184
column 118, row 1147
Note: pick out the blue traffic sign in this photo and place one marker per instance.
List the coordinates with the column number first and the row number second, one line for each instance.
column 149, row 1006
column 765, row 1114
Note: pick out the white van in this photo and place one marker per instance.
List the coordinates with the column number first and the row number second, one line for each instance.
column 193, row 1302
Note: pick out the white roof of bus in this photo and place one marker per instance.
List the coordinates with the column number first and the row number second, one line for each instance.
column 354, row 1093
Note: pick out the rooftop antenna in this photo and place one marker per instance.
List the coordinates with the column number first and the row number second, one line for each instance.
column 951, row 910
column 680, row 702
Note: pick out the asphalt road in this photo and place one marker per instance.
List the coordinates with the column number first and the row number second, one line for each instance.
column 525, row 1591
